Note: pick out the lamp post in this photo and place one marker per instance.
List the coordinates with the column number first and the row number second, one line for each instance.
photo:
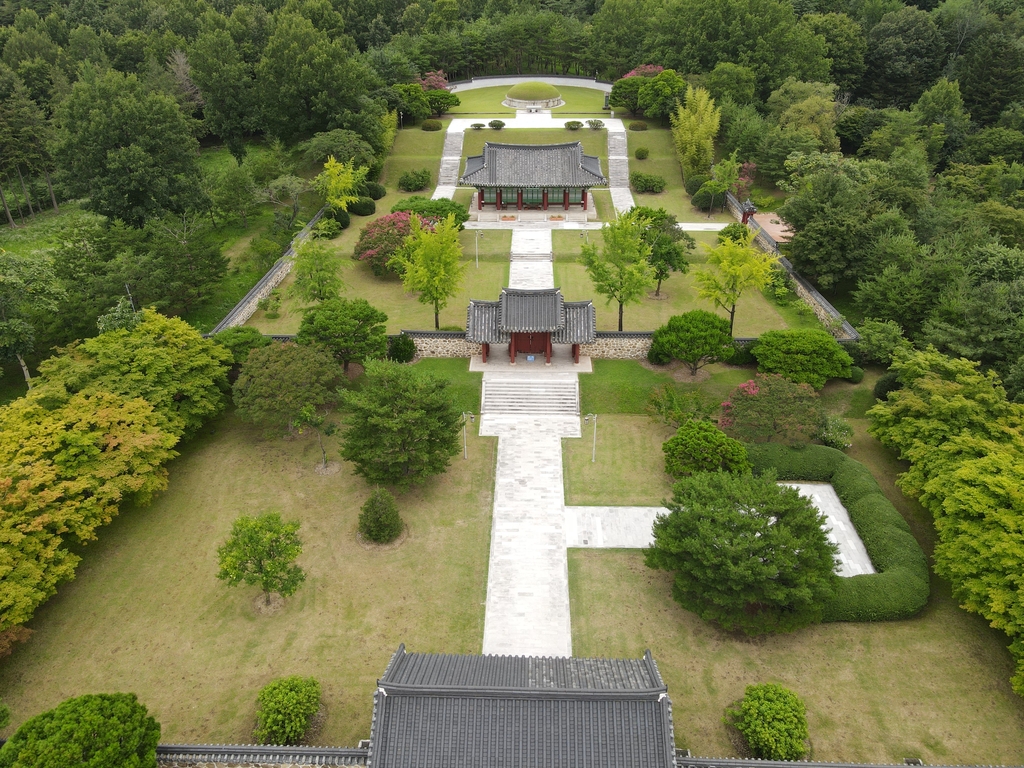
column 479, row 236
column 586, row 420
column 465, row 447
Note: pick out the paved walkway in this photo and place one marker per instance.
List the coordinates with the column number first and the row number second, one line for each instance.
column 853, row 557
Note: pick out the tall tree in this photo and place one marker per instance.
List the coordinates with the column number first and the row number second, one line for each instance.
column 351, row 329
column 694, row 127
column 231, row 109
column 131, row 152
column 316, row 272
column 620, row 269
column 28, row 289
column 737, row 266
column 905, row 52
column 262, row 550
column 431, row 263
column 669, row 244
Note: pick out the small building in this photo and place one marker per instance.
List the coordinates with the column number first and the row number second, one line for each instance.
column 446, row 711
column 530, row 321
column 533, row 176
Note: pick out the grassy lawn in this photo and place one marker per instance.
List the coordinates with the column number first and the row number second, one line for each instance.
column 662, row 161
column 465, row 384
column 486, row 102
column 413, row 149
column 42, row 232
column 594, row 142
column 146, row 613
column 934, row 687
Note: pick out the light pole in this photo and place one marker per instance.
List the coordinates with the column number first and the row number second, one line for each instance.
column 479, row 235
column 586, row 420
column 465, row 447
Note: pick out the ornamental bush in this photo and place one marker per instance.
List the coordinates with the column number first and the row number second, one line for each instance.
column 497, row 124
column 574, row 125
column 856, row 374
column 704, row 198
column 478, row 126
column 595, row 125
column 735, row 231
column 363, row 206
column 647, row 182
column 401, row 348
column 771, row 408
column 344, row 218
column 773, row 720
column 326, row 229
column 380, row 239
column 638, row 125
column 700, row 446
column 433, row 210
column 414, row 181
column 887, row 382
column 900, row 587
column 835, row 432
column 694, row 183
column 375, row 191
column 379, row 520
column 641, row 153
column 431, row 125
column 107, row 730
column 697, row 338
column 806, row 356
column 286, row 710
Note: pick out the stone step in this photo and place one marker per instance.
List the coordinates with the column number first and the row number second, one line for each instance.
column 524, row 396
column 531, row 257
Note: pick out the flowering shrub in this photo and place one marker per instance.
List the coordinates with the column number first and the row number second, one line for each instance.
column 434, row 81
column 380, row 239
column 835, row 432
column 645, row 70
column 771, row 408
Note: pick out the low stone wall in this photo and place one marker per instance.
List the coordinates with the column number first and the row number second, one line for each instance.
column 443, row 344
column 612, row 345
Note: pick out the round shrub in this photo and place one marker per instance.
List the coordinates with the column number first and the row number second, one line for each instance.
column 431, row 125
column 286, row 710
column 497, row 124
column 642, row 153
column 649, row 183
column 379, row 520
column 735, row 231
column 375, row 191
column 380, row 239
column 835, row 432
column 856, row 374
column 414, row 181
column 343, row 217
column 595, row 125
column 532, row 91
column 702, row 200
column 401, row 348
column 659, row 353
column 478, row 126
column 773, row 720
column 700, row 446
column 887, row 382
column 694, row 183
column 363, row 206
column 574, row 125
column 327, row 228
column 805, row 355
column 638, row 125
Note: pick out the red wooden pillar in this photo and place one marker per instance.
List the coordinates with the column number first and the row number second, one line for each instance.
column 485, row 349
column 547, row 349
column 480, row 199
column 584, row 199
column 565, row 199
column 497, row 199
column 512, row 349
column 544, row 199
column 576, row 353
column 519, row 199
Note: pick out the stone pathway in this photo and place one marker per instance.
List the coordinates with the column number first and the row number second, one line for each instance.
column 853, row 557
column 490, row 82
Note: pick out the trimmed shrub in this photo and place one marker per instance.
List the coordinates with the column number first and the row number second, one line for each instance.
column 642, row 153
column 700, row 446
column 363, row 206
column 659, row 353
column 647, row 182
column 900, row 587
column 344, row 218
column 856, row 374
column 431, row 125
column 401, row 348
column 595, row 125
column 735, row 231
column 835, row 432
column 414, row 181
column 887, row 382
column 773, row 720
column 426, row 208
column 478, row 126
column 694, row 183
column 497, row 124
column 375, row 191
column 379, row 520
column 286, row 710
column 806, row 356
column 574, row 125
column 638, row 125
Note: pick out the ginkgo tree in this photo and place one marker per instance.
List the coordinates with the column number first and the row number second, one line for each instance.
column 339, row 183
column 736, row 266
column 621, row 270
column 431, row 263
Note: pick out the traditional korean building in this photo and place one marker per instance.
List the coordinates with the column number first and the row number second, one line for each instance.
column 533, row 176
column 530, row 321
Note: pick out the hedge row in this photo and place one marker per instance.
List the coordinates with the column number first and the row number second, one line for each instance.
column 900, row 587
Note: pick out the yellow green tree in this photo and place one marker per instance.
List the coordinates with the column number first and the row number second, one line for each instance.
column 621, row 271
column 694, row 127
column 431, row 262
column 339, row 183
column 736, row 266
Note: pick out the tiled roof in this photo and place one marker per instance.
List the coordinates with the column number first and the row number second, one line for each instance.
column 535, row 310
column 533, row 165
column 482, row 323
column 441, row 711
column 520, row 310
column 580, row 324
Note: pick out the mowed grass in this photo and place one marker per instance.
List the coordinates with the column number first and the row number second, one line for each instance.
column 594, row 142
column 147, row 614
column 486, row 102
column 42, row 232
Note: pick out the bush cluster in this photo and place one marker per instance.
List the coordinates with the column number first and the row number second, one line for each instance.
column 642, row 153
column 431, row 125
column 900, row 587
column 379, row 520
column 380, row 240
column 638, row 125
column 773, row 720
column 497, row 124
column 401, row 348
column 856, row 374
column 735, row 232
column 595, row 125
column 694, row 183
column 374, row 191
column 414, row 181
column 835, row 432
column 647, row 182
column 806, row 356
column 286, row 710
column 574, row 125
column 363, row 206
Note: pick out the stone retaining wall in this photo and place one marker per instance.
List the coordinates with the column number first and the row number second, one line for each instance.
column 443, row 344
column 540, row 104
column 615, row 346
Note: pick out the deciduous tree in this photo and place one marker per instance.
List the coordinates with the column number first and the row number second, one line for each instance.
column 350, row 329
column 431, row 263
column 262, row 550
column 694, row 127
column 339, row 183
column 669, row 244
column 737, row 267
column 316, row 273
column 621, row 270
column 771, row 408
column 28, row 288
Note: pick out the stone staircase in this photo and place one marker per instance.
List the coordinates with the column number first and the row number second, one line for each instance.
column 553, row 394
column 451, row 158
column 618, row 171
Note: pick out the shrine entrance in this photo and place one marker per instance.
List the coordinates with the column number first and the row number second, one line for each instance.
column 531, row 343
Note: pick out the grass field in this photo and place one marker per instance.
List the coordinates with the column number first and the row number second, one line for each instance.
column 934, row 687
column 486, row 102
column 594, row 142
column 146, row 613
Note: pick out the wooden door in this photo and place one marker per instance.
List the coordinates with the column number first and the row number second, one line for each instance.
column 531, row 343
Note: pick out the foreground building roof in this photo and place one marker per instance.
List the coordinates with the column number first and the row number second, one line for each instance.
column 445, row 711
column 522, row 310
column 533, row 165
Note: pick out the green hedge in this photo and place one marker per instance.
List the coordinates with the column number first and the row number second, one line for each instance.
column 900, row 587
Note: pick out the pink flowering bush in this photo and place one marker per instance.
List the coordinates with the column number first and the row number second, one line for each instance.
column 434, row 81
column 645, row 70
column 771, row 408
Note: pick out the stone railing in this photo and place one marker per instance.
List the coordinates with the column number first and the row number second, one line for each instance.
column 245, row 309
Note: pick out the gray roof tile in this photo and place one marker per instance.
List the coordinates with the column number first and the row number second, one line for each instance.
column 533, row 165
column 531, row 310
